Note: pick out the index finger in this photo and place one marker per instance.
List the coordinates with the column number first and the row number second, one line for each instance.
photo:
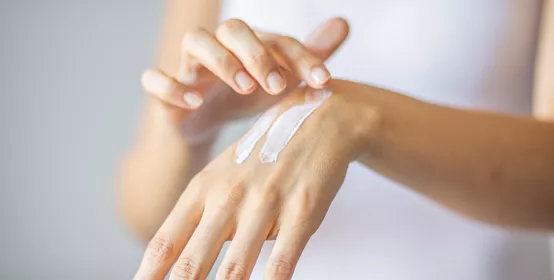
column 169, row 90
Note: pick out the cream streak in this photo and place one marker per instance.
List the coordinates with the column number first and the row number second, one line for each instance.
column 288, row 123
column 248, row 142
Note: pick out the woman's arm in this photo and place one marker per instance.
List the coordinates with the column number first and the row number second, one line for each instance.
column 544, row 73
column 544, row 83
column 495, row 168
column 491, row 167
column 161, row 162
column 215, row 66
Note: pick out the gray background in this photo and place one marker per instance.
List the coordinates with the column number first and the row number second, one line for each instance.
column 69, row 73
column 71, row 96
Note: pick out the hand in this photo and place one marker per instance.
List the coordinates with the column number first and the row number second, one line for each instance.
column 253, row 201
column 239, row 59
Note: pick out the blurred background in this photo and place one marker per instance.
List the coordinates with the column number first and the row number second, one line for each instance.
column 71, row 96
column 69, row 73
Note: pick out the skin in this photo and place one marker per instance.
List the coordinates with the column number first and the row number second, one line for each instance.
column 164, row 157
column 544, row 84
column 483, row 168
column 252, row 202
column 390, row 133
column 161, row 161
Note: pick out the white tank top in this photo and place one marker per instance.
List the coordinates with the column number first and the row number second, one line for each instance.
column 469, row 53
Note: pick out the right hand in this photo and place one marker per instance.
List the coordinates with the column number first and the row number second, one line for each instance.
column 249, row 203
column 239, row 59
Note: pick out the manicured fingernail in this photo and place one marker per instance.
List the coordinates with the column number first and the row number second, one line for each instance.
column 192, row 100
column 244, row 81
column 320, row 75
column 276, row 82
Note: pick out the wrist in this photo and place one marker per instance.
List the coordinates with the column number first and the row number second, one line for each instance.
column 201, row 127
column 357, row 117
column 390, row 117
column 367, row 129
column 201, row 138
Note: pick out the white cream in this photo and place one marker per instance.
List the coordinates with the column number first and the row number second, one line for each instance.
column 288, row 123
column 248, row 142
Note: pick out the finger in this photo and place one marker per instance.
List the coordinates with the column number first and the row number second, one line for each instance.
column 187, row 72
column 245, row 248
column 286, row 252
column 169, row 241
column 221, row 62
column 306, row 61
column 169, row 90
column 237, row 37
column 304, row 64
column 198, row 257
column 327, row 37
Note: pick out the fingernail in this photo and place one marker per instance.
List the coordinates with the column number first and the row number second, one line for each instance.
column 192, row 100
column 244, row 81
column 276, row 82
column 320, row 75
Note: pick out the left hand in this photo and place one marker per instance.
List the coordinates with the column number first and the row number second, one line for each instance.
column 251, row 202
column 209, row 63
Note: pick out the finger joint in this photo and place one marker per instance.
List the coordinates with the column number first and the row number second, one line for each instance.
column 281, row 267
column 185, row 269
column 159, row 249
column 234, row 270
column 232, row 26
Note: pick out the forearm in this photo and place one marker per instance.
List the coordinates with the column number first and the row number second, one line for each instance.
column 544, row 72
column 161, row 162
column 491, row 167
column 153, row 175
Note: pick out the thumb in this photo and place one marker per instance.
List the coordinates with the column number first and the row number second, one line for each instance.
column 327, row 37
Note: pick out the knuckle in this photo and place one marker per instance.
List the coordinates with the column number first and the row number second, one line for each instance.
column 304, row 207
column 198, row 180
column 232, row 196
column 226, row 62
column 232, row 25
column 235, row 270
column 281, row 267
column 185, row 269
column 297, row 51
column 265, row 203
column 258, row 59
column 289, row 41
column 275, row 181
column 265, row 199
column 159, row 249
column 306, row 202
column 276, row 178
column 192, row 37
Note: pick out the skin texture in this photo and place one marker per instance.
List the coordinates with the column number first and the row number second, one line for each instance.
column 491, row 167
column 164, row 157
column 253, row 201
column 484, row 168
